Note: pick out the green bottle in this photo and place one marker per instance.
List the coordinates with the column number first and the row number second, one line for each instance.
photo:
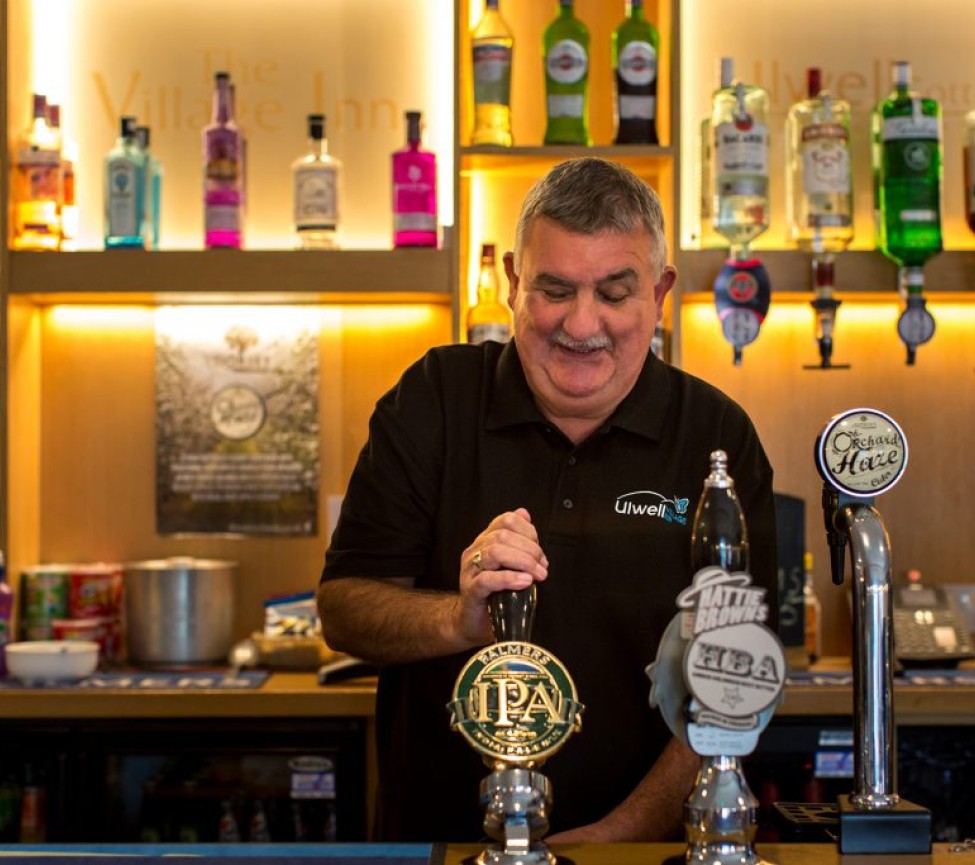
column 907, row 160
column 566, row 55
column 635, row 49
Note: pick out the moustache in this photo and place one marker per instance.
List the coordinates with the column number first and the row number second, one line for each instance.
column 592, row 343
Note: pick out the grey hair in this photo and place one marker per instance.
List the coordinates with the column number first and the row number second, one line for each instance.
column 589, row 195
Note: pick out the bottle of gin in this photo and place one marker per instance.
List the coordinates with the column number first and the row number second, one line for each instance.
column 36, row 184
column 566, row 51
column 151, row 217
column 907, row 165
column 634, row 48
column 316, row 177
column 708, row 237
column 125, row 186
column 819, row 195
column 488, row 318
column 223, row 175
column 414, row 190
column 739, row 127
column 491, row 47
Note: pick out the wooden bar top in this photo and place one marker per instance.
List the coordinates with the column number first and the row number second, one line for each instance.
column 297, row 694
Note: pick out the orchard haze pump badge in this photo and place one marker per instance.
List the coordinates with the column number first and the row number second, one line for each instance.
column 862, row 452
column 515, row 703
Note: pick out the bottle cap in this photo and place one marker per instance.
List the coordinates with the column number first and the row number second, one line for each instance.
column 814, row 81
column 901, row 73
column 487, row 250
column 727, row 71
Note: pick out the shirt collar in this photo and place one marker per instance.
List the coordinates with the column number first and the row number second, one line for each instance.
column 642, row 410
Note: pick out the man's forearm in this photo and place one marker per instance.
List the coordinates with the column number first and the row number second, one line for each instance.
column 653, row 811
column 385, row 623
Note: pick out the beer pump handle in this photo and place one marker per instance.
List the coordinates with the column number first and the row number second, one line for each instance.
column 835, row 538
column 512, row 614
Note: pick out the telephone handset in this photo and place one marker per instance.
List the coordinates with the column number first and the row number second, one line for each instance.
column 929, row 627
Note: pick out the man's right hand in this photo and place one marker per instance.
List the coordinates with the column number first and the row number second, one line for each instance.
column 506, row 555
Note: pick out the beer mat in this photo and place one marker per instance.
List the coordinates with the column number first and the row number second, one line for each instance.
column 133, row 680
column 224, row 854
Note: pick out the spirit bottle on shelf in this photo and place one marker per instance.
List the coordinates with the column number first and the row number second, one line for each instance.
column 491, row 49
column 124, row 190
column 907, row 172
column 414, row 190
column 68, row 211
column 812, row 612
column 968, row 166
column 152, row 215
column 740, row 162
column 708, row 237
column 36, row 184
column 907, row 166
column 819, row 195
column 223, row 171
column 566, row 52
column 488, row 318
column 316, row 177
column 635, row 46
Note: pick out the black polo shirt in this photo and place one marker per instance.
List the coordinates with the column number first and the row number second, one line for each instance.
column 458, row 441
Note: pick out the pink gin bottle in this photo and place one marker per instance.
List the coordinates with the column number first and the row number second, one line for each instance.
column 223, row 171
column 414, row 190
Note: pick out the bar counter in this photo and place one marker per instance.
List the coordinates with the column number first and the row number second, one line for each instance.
column 297, row 695
column 460, row 854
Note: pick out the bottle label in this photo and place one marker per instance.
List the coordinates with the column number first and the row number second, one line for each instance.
column 638, row 64
column 28, row 157
column 567, row 63
column 637, row 107
column 825, row 160
column 316, row 199
column 492, row 74
column 912, row 126
column 565, row 105
column 414, row 222
column 123, row 216
column 741, row 151
column 222, row 217
column 496, row 331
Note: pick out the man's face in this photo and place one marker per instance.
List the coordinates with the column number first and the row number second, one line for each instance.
column 585, row 307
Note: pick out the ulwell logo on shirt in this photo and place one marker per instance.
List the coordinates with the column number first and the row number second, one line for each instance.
column 647, row 503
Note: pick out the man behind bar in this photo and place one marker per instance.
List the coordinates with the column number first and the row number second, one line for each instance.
column 571, row 457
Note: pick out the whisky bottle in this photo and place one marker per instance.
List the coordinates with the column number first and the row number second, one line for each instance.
column 907, row 165
column 819, row 196
column 223, row 175
column 414, row 190
column 566, row 53
column 124, row 170
column 316, row 177
column 68, row 220
column 488, row 318
column 740, row 162
column 152, row 212
column 36, row 184
column 719, row 536
column 634, row 48
column 491, row 48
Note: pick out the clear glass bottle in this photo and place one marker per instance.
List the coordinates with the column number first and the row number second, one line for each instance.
column 152, row 215
column 223, row 173
column 414, row 190
column 635, row 49
column 488, row 318
column 739, row 123
column 819, row 185
column 907, row 165
column 812, row 612
column 566, row 53
column 719, row 536
column 492, row 47
column 36, row 184
column 124, row 170
column 709, row 238
column 317, row 180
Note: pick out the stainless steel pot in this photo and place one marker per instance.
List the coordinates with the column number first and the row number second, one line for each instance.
column 180, row 611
